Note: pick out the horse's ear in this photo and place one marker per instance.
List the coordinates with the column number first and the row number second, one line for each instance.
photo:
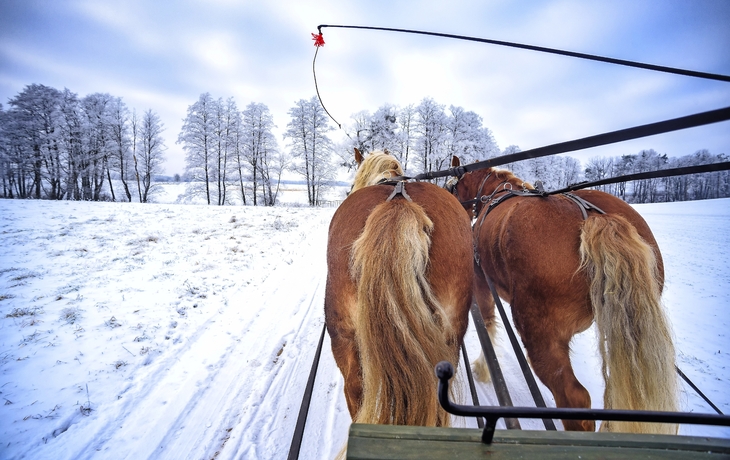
column 358, row 156
column 455, row 161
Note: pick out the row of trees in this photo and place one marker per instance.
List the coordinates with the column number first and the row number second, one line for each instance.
column 225, row 146
column 676, row 188
column 57, row 145
column 423, row 137
column 233, row 155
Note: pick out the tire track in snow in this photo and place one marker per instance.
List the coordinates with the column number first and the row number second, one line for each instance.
column 275, row 399
column 231, row 405
column 198, row 395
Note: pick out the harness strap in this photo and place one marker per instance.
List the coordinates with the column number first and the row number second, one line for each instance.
column 509, row 194
column 583, row 205
column 399, row 189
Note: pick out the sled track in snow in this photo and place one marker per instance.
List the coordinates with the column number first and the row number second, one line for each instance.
column 207, row 398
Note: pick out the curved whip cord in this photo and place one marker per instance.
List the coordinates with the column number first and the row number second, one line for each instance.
column 319, row 42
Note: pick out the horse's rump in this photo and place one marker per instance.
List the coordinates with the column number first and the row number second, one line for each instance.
column 398, row 293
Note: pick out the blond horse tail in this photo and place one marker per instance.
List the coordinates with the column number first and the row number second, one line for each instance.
column 634, row 335
column 401, row 329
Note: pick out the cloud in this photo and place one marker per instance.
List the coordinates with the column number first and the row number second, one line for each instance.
column 162, row 55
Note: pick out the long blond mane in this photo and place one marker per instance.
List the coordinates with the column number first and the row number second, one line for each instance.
column 505, row 175
column 377, row 166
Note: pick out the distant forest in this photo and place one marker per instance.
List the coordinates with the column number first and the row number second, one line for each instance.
column 57, row 145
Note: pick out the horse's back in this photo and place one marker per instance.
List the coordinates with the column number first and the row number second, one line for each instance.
column 543, row 233
column 555, row 221
column 450, row 256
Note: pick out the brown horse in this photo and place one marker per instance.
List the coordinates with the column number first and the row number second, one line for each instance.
column 399, row 287
column 561, row 264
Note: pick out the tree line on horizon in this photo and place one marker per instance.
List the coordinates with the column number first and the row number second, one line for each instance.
column 56, row 145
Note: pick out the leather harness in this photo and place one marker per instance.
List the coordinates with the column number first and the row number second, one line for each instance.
column 493, row 202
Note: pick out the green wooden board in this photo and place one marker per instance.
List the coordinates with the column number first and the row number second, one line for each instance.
column 407, row 442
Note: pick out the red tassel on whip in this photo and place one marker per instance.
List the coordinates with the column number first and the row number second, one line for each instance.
column 318, row 39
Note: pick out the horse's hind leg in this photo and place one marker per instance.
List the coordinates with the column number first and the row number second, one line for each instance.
column 485, row 302
column 345, row 354
column 549, row 354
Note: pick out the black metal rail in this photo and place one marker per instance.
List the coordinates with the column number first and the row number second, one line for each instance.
column 296, row 442
column 613, row 137
column 444, row 372
column 500, row 386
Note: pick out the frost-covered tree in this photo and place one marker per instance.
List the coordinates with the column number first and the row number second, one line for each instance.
column 223, row 115
column 554, row 172
column 70, row 141
column 406, row 134
column 371, row 132
column 273, row 163
column 311, row 148
column 360, row 138
column 151, row 152
column 431, row 129
column 97, row 145
column 120, row 159
column 197, row 138
column 383, row 128
column 599, row 168
column 467, row 138
column 259, row 147
column 32, row 121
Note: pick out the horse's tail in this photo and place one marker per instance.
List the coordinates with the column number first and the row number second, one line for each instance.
column 402, row 331
column 634, row 335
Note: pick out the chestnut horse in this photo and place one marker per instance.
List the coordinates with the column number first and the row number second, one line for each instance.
column 399, row 287
column 563, row 261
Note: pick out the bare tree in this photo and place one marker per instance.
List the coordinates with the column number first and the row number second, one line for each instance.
column 151, row 154
column 307, row 131
column 237, row 153
column 197, row 137
column 32, row 117
column 221, row 127
column 97, row 145
column 70, row 141
column 259, row 144
column 121, row 156
column 431, row 129
column 405, row 137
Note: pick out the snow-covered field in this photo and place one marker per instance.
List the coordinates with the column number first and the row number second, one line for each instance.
column 187, row 331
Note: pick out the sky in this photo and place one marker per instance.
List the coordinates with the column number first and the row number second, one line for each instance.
column 162, row 55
